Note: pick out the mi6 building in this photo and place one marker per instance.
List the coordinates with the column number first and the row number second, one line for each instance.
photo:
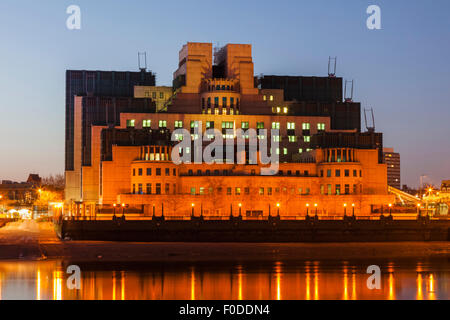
column 121, row 142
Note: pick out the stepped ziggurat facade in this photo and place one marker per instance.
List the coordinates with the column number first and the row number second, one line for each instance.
column 119, row 147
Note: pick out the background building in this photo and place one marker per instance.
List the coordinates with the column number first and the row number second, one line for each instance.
column 392, row 160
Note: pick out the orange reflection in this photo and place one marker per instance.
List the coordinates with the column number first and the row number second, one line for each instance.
column 114, row 286
column 239, row 283
column 354, row 286
column 308, row 279
column 38, row 285
column 192, row 284
column 316, row 281
column 278, row 278
column 345, row 283
column 432, row 295
column 122, row 285
column 419, row 287
column 57, row 285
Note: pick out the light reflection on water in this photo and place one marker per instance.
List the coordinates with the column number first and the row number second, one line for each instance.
column 183, row 281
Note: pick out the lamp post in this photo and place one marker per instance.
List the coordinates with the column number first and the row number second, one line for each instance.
column 316, row 205
column 278, row 209
column 307, row 209
column 345, row 210
column 240, row 208
column 390, row 209
column 114, row 211
column 123, row 210
column 418, row 210
column 353, row 209
column 192, row 214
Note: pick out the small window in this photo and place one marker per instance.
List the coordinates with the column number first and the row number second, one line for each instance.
column 261, row 191
column 158, row 188
column 140, row 171
column 237, row 191
column 347, row 173
column 192, row 191
column 158, row 171
column 130, row 123
column 328, row 173
column 228, row 191
column 167, row 172
column 338, row 173
column 146, row 123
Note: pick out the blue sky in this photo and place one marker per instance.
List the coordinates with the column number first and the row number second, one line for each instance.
column 402, row 71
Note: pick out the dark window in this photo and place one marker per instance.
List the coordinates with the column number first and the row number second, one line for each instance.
column 306, row 173
column 158, row 171
column 149, row 188
column 134, row 172
column 338, row 173
column 228, row 191
column 140, row 171
column 328, row 173
column 149, row 171
column 347, row 173
column 167, row 189
column 167, row 172
column 190, row 172
column 347, row 189
column 174, row 172
column 199, row 172
column 338, row 189
column 158, row 188
column 140, row 188
column 355, row 173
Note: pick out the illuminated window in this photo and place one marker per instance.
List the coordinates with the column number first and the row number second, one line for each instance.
column 291, row 126
column 321, row 126
column 192, row 191
column 261, row 191
column 146, row 123
column 154, row 95
column 285, row 151
column 244, row 125
column 178, row 124
column 238, row 191
column 292, row 138
column 194, row 124
column 264, row 97
column 306, row 126
column 161, row 95
column 307, row 139
column 300, row 150
column 271, row 98
column 162, row 124
column 260, row 125
column 130, row 123
column 285, row 109
column 276, row 125
column 338, row 189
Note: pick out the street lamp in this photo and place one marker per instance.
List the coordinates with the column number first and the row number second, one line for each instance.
column 418, row 209
column 353, row 209
column 240, row 208
column 278, row 209
column 123, row 210
column 193, row 205
column 114, row 211
column 345, row 209
column 390, row 209
column 307, row 209
column 315, row 205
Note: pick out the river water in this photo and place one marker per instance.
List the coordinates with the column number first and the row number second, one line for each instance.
column 292, row 280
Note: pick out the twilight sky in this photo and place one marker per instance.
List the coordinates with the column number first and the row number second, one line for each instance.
column 402, row 71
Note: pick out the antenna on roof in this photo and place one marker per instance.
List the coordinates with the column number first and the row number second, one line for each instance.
column 142, row 61
column 332, row 67
column 348, row 96
column 372, row 127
